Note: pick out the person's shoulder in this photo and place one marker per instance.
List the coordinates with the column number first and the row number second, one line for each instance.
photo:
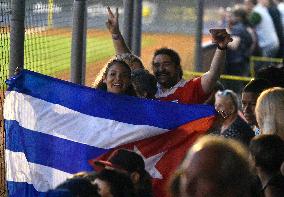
column 276, row 185
column 238, row 29
column 192, row 80
column 242, row 123
column 277, row 180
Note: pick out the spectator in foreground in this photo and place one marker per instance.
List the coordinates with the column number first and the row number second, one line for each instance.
column 270, row 111
column 167, row 68
column 250, row 94
column 113, row 183
column 132, row 163
column 267, row 153
column 233, row 126
column 215, row 166
column 174, row 184
column 75, row 187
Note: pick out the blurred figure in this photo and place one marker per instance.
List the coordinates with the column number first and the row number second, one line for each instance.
column 132, row 163
column 222, row 23
column 270, row 111
column 215, row 166
column 233, row 126
column 86, row 175
column 267, row 153
column 237, row 57
column 266, row 32
column 250, row 94
column 174, row 184
column 144, row 83
column 255, row 49
column 249, row 5
column 276, row 18
column 275, row 75
column 75, row 187
column 280, row 6
column 113, row 183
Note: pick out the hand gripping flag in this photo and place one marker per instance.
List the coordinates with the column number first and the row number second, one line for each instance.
column 53, row 128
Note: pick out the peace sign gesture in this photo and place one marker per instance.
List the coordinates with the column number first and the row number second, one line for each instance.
column 112, row 21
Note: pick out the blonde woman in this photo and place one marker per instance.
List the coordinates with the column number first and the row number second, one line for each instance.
column 270, row 111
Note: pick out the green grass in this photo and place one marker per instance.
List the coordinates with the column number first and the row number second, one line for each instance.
column 51, row 54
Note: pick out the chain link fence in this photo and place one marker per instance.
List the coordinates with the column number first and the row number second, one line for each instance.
column 48, row 37
column 5, row 10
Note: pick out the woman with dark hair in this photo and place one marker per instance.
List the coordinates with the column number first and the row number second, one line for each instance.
column 116, row 78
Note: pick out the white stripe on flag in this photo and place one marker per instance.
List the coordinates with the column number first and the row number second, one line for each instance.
column 37, row 115
column 41, row 177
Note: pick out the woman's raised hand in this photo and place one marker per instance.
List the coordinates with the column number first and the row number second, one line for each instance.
column 112, row 21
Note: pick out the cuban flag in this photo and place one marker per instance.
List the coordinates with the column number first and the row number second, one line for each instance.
column 54, row 128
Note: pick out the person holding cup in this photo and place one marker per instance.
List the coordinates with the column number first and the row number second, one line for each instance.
column 166, row 66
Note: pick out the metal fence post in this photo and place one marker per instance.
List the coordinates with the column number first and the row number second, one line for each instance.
column 127, row 21
column 17, row 35
column 198, row 35
column 78, row 42
column 137, row 25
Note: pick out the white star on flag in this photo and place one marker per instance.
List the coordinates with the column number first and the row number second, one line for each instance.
column 151, row 162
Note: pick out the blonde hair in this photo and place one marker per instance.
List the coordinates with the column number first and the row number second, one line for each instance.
column 270, row 111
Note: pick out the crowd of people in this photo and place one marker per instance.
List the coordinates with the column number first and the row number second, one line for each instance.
column 257, row 28
column 241, row 155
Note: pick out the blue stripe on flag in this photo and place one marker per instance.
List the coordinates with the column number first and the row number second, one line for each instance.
column 102, row 104
column 16, row 189
column 61, row 154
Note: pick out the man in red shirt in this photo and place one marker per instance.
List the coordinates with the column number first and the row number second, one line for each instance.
column 167, row 69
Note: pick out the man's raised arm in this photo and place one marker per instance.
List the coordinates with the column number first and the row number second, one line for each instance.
column 209, row 79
